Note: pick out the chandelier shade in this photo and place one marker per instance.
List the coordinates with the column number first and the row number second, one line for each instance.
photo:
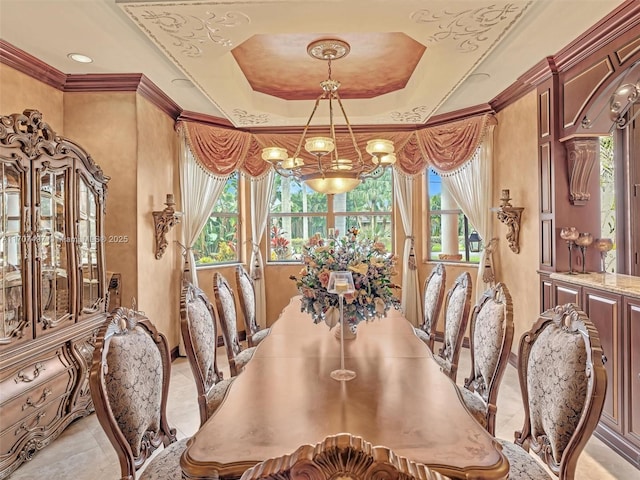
column 328, row 170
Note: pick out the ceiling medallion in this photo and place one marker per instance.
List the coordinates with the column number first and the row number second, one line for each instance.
column 330, row 172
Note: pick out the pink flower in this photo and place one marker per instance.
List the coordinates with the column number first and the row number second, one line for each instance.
column 323, row 277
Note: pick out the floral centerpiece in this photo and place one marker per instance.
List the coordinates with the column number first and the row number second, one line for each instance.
column 372, row 268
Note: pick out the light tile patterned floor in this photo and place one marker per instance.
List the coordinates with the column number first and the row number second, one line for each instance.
column 83, row 451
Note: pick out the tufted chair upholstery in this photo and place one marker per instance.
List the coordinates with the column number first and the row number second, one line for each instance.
column 226, row 311
column 456, row 317
column 129, row 382
column 563, row 383
column 433, row 295
column 199, row 332
column 491, row 337
column 341, row 456
column 248, row 306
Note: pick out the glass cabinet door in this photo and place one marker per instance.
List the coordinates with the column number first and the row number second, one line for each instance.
column 53, row 242
column 88, row 248
column 13, row 315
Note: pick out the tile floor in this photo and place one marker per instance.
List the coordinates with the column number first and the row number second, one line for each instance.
column 83, row 451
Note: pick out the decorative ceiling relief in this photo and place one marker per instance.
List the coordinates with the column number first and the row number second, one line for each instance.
column 251, row 56
column 190, row 32
column 246, row 118
column 416, row 115
column 469, row 28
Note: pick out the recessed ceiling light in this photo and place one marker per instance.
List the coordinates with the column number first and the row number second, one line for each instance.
column 78, row 57
column 182, row 82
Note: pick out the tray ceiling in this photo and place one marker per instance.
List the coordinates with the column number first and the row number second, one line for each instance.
column 247, row 61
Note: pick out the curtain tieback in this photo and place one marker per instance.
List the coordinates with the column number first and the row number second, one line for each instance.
column 412, row 254
column 256, row 269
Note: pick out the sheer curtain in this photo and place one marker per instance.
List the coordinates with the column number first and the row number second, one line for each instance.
column 199, row 192
column 261, row 189
column 471, row 187
column 411, row 299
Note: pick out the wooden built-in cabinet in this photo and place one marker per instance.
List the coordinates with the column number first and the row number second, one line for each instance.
column 53, row 294
column 616, row 314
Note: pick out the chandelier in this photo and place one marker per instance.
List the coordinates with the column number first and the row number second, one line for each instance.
column 328, row 171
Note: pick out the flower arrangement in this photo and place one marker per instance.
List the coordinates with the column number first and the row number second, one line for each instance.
column 372, row 268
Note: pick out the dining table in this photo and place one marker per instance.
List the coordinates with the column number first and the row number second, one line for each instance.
column 285, row 398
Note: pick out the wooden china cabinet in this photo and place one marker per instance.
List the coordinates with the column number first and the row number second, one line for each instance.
column 53, row 293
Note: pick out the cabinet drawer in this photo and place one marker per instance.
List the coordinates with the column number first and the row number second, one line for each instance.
column 35, row 373
column 33, row 399
column 37, row 423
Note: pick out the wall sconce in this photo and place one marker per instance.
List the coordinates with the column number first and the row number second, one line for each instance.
column 162, row 222
column 511, row 217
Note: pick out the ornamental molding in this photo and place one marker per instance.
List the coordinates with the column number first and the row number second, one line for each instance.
column 469, row 28
column 189, row 32
column 246, row 118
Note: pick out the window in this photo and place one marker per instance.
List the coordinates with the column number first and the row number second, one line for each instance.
column 297, row 212
column 608, row 200
column 449, row 230
column 218, row 241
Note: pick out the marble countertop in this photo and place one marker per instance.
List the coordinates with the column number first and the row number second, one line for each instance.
column 612, row 282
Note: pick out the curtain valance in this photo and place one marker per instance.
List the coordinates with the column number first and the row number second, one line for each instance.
column 445, row 148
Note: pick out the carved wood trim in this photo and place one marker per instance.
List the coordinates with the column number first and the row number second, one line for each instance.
column 623, row 54
column 575, row 98
column 341, row 456
column 581, row 158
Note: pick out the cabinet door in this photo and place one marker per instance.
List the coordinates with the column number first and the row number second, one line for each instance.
column 90, row 247
column 566, row 293
column 15, row 246
column 604, row 309
column 632, row 364
column 54, row 239
column 546, row 293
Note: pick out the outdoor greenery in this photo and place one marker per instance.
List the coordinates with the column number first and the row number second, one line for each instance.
column 218, row 241
column 297, row 213
column 607, row 198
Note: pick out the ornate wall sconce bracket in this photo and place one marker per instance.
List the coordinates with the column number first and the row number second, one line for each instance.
column 581, row 158
column 511, row 217
column 163, row 221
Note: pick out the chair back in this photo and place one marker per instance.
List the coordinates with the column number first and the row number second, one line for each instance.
column 433, row 295
column 226, row 310
column 247, row 302
column 342, row 456
column 199, row 332
column 457, row 306
column 491, row 338
column 129, row 382
column 563, row 383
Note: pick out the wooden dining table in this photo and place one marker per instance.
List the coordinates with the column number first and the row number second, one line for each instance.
column 285, row 398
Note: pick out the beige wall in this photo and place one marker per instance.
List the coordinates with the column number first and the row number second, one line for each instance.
column 19, row 92
column 516, row 168
column 157, row 175
column 105, row 124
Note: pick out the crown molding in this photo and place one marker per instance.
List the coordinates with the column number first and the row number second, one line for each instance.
column 30, row 65
column 188, row 116
column 474, row 111
column 155, row 95
column 617, row 23
column 102, row 82
column 614, row 25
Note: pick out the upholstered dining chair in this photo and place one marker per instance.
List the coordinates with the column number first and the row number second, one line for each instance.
column 226, row 311
column 490, row 338
column 432, row 297
column 456, row 317
column 129, row 383
column 341, row 456
column 248, row 306
column 199, row 332
column 563, row 383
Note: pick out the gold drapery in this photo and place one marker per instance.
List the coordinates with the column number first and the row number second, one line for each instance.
column 445, row 148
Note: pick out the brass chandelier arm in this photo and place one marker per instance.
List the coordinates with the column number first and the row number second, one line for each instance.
column 353, row 137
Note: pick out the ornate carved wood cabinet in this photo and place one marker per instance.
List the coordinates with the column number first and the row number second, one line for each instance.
column 53, row 294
